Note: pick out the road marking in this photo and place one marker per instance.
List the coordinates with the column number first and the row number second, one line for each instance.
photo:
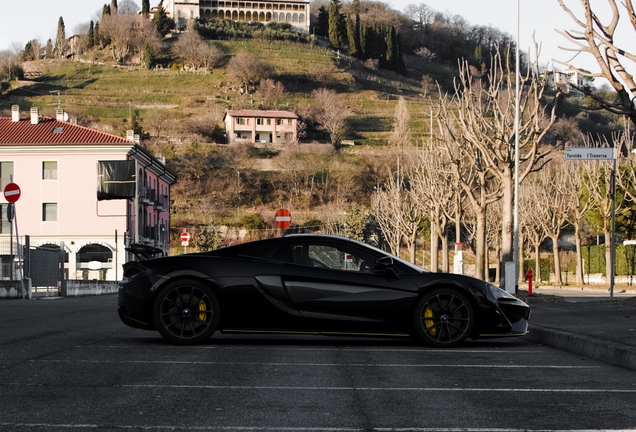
column 416, row 350
column 377, row 389
column 286, row 429
column 391, row 365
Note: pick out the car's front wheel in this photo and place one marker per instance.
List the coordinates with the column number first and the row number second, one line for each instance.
column 443, row 317
column 186, row 312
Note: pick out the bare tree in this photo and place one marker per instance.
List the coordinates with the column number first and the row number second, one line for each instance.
column 554, row 209
column 480, row 122
column 530, row 195
column 195, row 52
column 330, row 113
column 431, row 182
column 248, row 69
column 595, row 37
column 401, row 135
column 118, row 29
column 269, row 91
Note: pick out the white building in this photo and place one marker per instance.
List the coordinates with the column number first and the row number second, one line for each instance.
column 86, row 191
column 258, row 126
column 293, row 12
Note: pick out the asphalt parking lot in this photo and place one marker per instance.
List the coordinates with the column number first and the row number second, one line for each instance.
column 69, row 364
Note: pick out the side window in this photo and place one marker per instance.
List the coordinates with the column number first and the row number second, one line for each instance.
column 330, row 256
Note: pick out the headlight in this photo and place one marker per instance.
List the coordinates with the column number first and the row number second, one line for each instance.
column 496, row 294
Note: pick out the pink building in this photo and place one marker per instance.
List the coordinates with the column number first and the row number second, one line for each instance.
column 260, row 126
column 88, row 192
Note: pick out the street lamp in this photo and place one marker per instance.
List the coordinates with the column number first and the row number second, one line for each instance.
column 515, row 229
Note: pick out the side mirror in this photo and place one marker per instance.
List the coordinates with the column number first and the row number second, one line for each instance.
column 383, row 264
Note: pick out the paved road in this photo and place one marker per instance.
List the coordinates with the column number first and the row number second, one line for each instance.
column 69, row 364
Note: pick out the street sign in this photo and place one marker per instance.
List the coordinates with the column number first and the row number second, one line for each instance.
column 585, row 153
column 185, row 238
column 283, row 219
column 12, row 192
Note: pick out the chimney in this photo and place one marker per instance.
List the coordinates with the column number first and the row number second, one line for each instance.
column 73, row 120
column 35, row 116
column 15, row 113
column 137, row 138
column 130, row 135
column 59, row 114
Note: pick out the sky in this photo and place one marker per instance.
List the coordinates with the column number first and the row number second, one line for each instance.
column 37, row 19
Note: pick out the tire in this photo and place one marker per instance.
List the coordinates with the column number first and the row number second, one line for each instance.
column 186, row 312
column 443, row 318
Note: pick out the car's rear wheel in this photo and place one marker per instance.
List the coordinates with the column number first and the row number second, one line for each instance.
column 443, row 317
column 186, row 312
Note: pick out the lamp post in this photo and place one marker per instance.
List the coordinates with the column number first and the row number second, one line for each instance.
column 515, row 229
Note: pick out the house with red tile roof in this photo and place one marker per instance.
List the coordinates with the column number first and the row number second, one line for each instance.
column 258, row 126
column 84, row 191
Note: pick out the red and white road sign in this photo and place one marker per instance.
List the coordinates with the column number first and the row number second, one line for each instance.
column 185, row 237
column 283, row 219
column 12, row 192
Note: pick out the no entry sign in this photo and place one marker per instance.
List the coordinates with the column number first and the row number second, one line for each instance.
column 283, row 219
column 185, row 237
column 12, row 192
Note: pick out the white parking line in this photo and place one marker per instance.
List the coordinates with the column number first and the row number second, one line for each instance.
column 29, row 426
column 278, row 348
column 383, row 389
column 388, row 365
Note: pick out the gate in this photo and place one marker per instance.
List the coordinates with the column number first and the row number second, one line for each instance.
column 45, row 267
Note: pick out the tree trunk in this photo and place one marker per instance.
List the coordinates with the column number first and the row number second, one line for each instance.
column 434, row 249
column 444, row 239
column 537, row 264
column 557, row 260
column 579, row 254
column 608, row 254
column 412, row 243
column 480, row 245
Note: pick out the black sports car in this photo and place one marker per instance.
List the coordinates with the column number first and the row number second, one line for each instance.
column 312, row 284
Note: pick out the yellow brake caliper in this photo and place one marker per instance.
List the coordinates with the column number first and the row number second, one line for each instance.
column 428, row 313
column 202, row 307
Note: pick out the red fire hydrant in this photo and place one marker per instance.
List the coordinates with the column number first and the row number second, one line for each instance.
column 529, row 276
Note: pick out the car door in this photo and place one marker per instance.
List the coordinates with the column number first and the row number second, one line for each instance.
column 335, row 280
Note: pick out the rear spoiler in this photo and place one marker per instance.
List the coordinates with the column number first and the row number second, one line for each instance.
column 144, row 252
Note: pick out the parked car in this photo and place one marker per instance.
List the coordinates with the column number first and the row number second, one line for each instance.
column 315, row 284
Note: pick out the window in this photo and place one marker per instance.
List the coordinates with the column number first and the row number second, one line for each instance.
column 49, row 170
column 259, row 121
column 269, row 121
column 49, row 212
column 240, row 121
column 5, row 225
column 279, row 122
column 6, row 172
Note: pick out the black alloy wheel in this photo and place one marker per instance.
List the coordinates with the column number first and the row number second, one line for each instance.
column 186, row 312
column 444, row 318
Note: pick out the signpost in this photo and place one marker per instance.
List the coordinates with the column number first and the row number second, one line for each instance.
column 185, row 240
column 283, row 219
column 12, row 194
column 586, row 153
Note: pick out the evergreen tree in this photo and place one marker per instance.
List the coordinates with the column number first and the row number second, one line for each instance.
column 49, row 49
column 351, row 35
column 389, row 54
column 363, row 42
column 334, row 23
column 322, row 27
column 106, row 10
column 97, row 38
column 356, row 29
column 161, row 20
column 91, row 35
column 145, row 7
column 60, row 41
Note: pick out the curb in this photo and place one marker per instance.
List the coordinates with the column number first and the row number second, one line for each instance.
column 606, row 351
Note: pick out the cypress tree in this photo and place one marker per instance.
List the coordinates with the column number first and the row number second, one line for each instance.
column 106, row 10
column 97, row 37
column 334, row 22
column 145, row 7
column 60, row 40
column 322, row 27
column 351, row 35
column 357, row 37
column 389, row 54
column 49, row 49
column 91, row 35
column 363, row 42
